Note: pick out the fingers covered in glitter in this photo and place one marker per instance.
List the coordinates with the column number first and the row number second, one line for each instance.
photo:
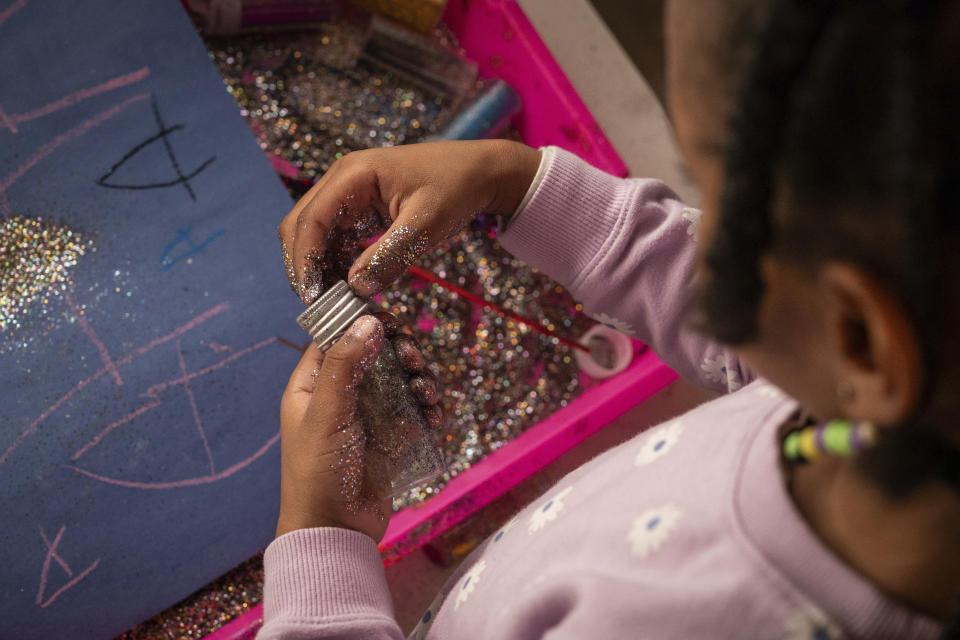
column 390, row 322
column 434, row 416
column 325, row 226
column 424, row 389
column 388, row 259
column 326, row 470
column 422, row 383
column 343, row 368
column 409, row 355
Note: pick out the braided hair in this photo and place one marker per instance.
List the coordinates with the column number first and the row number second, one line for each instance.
column 845, row 145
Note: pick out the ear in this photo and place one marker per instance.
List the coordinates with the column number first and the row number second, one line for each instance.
column 875, row 348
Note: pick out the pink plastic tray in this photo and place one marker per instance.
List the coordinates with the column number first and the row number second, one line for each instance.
column 499, row 38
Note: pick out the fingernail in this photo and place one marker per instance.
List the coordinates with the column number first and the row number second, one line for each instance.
column 312, row 285
column 368, row 330
column 365, row 328
column 425, row 389
column 363, row 283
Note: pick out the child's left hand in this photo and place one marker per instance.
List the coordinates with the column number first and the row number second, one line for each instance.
column 321, row 443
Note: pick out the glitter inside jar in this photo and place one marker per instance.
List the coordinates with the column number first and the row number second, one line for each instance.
column 401, row 448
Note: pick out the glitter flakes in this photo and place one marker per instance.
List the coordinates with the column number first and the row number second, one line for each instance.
column 495, row 377
column 36, row 256
column 312, row 285
column 288, row 267
column 309, row 107
column 207, row 609
column 394, row 253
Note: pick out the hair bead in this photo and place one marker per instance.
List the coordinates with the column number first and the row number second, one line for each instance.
column 842, row 438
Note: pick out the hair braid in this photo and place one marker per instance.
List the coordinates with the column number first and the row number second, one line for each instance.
column 756, row 132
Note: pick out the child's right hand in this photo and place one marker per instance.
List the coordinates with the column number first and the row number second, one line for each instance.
column 427, row 191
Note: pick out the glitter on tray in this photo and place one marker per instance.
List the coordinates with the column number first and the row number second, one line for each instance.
column 309, row 112
column 36, row 256
column 496, row 377
column 208, row 609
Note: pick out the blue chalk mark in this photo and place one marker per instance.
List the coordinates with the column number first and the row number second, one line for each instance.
column 183, row 235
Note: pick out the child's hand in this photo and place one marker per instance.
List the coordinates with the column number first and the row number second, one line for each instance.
column 426, row 192
column 321, row 440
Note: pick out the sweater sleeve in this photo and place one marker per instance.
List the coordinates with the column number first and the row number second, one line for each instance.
column 625, row 248
column 325, row 583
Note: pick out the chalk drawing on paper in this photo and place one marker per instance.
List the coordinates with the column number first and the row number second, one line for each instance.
column 152, row 398
column 52, row 555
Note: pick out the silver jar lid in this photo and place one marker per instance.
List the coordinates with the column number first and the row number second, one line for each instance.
column 331, row 314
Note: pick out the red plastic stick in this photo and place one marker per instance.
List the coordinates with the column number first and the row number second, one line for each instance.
column 463, row 293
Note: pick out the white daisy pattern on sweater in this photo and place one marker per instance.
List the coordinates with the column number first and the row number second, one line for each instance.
column 652, row 528
column 658, row 443
column 718, row 370
column 692, row 216
column 613, row 323
column 469, row 583
column 810, row 623
column 548, row 511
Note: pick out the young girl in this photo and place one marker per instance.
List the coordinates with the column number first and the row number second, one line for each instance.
column 823, row 269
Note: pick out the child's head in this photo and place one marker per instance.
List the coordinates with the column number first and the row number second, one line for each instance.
column 825, row 137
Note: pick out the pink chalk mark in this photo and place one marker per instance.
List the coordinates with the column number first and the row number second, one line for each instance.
column 83, row 574
column 12, row 9
column 95, row 339
column 7, row 121
column 153, row 393
column 188, row 482
column 203, row 317
column 77, row 131
column 219, row 348
column 45, row 571
column 158, row 388
column 193, row 407
column 52, row 552
column 113, row 425
column 77, row 96
column 5, row 204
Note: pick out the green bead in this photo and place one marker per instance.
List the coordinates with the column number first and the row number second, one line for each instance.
column 791, row 446
column 836, row 437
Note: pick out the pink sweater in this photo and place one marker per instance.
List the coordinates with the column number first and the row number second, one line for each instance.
column 684, row 532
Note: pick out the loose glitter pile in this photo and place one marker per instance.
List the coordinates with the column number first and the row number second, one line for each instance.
column 36, row 256
column 309, row 112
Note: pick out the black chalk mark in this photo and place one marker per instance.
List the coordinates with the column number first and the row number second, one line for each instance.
column 162, row 134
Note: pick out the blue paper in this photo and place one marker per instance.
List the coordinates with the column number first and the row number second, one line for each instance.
column 139, row 454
